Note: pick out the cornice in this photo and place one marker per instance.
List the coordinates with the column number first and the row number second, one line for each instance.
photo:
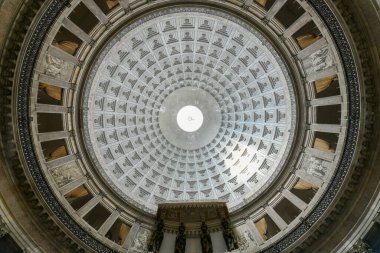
column 356, row 201
column 11, row 162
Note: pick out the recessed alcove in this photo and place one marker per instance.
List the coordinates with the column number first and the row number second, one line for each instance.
column 307, row 34
column 327, row 87
column 78, row 197
column 266, row 227
column 328, row 114
column 97, row 216
column 49, row 122
column 54, row 149
column 49, row 94
column 287, row 210
column 289, row 13
column 67, row 41
column 304, row 190
column 118, row 232
column 326, row 141
column 83, row 18
column 107, row 5
column 267, row 4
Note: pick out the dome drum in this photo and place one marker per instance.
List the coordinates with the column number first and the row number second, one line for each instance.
column 106, row 145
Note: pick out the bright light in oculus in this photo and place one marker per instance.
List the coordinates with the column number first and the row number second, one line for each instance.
column 189, row 118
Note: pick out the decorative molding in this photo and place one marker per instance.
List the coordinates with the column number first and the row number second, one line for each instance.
column 349, row 150
column 26, row 74
column 3, row 228
column 361, row 247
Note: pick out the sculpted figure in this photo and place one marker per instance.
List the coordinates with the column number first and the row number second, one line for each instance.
column 54, row 66
column 206, row 239
column 180, row 241
column 229, row 236
column 158, row 236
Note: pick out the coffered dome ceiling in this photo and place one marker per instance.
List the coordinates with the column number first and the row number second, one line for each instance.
column 189, row 57
column 255, row 103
